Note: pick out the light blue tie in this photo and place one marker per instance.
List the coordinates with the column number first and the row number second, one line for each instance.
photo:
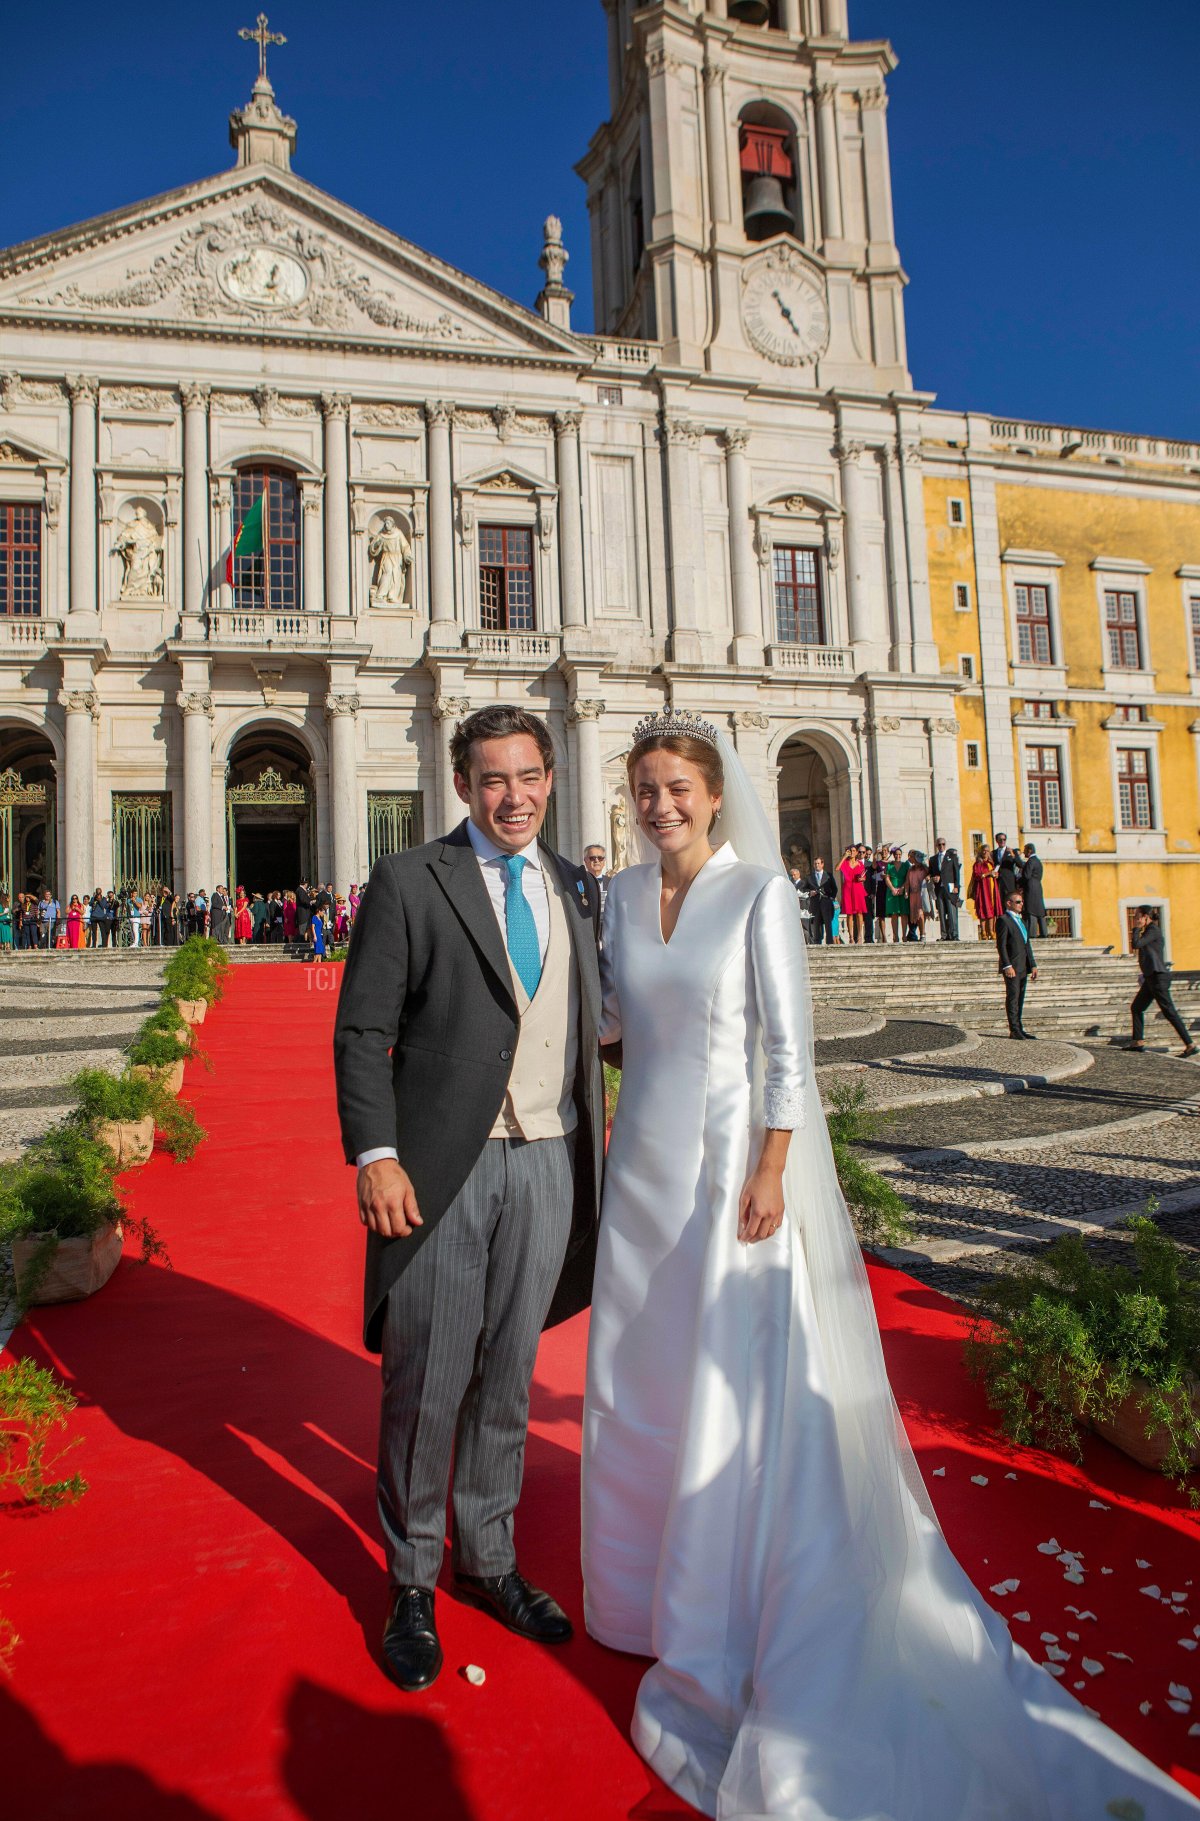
column 523, row 946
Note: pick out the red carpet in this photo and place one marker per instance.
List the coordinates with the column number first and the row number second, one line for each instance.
column 199, row 1630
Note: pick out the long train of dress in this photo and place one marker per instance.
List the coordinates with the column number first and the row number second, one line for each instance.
column 799, row 1671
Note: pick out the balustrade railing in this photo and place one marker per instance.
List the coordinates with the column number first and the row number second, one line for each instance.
column 240, row 626
column 821, row 660
column 514, row 647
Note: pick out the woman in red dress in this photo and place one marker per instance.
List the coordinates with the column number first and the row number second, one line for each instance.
column 241, row 917
column 854, row 893
column 984, row 892
column 289, row 916
column 74, row 923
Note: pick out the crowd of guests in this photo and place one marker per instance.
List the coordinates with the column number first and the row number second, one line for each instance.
column 889, row 894
column 315, row 916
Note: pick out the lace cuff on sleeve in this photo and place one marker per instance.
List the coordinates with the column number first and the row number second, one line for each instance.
column 783, row 1109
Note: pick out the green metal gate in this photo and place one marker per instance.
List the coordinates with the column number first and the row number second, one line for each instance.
column 22, row 807
column 142, row 841
column 394, row 821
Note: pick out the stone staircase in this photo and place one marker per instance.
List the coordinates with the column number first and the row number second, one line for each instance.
column 1080, row 990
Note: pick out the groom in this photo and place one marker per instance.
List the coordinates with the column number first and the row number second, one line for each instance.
column 471, row 1100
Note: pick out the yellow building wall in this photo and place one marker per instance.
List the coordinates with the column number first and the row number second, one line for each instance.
column 1079, row 526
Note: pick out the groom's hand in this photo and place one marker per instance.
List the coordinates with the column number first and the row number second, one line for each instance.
column 387, row 1201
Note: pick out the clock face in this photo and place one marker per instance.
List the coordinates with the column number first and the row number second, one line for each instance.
column 785, row 314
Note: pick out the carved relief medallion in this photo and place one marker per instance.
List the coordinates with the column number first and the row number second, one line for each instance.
column 263, row 276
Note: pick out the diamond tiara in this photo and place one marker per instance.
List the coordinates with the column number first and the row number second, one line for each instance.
column 675, row 721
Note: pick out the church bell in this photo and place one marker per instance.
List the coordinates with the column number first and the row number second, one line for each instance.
column 750, row 12
column 764, row 210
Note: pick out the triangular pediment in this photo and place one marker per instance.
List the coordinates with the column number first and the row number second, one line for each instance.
column 261, row 253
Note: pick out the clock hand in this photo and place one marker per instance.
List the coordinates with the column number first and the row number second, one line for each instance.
column 786, row 312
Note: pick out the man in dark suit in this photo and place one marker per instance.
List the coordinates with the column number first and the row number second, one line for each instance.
column 1156, row 981
column 821, row 887
column 303, row 910
column 945, row 873
column 1031, row 885
column 1008, row 868
column 1017, row 964
column 471, row 1100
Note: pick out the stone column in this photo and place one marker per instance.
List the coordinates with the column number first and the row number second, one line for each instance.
column 747, row 601
column 312, row 547
column 336, row 409
column 835, row 20
column 84, row 396
column 880, row 229
column 944, row 805
column 447, row 712
column 717, row 134
column 439, row 415
column 680, row 437
column 570, row 517
column 857, row 603
column 924, row 647
column 82, row 708
column 584, row 715
column 223, row 500
column 897, row 560
column 195, row 705
column 341, row 711
column 197, row 562
column 830, row 173
column 793, row 24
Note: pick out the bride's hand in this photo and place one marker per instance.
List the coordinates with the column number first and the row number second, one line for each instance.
column 760, row 1211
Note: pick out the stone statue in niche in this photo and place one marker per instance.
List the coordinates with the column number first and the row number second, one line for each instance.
column 619, row 826
column 391, row 553
column 140, row 547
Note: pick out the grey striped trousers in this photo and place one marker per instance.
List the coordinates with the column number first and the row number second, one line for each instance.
column 460, row 1338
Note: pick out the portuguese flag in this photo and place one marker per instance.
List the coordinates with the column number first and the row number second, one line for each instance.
column 248, row 540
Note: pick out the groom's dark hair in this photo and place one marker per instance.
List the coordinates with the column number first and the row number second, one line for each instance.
column 499, row 722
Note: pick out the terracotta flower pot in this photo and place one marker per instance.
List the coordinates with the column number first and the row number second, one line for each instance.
column 171, row 1076
column 131, row 1141
column 77, row 1267
column 192, row 1011
column 1126, row 1427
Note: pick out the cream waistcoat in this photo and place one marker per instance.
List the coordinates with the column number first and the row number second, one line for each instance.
column 540, row 1102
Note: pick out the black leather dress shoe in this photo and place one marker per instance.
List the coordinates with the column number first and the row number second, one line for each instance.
column 1029, row 1036
column 524, row 1609
column 412, row 1655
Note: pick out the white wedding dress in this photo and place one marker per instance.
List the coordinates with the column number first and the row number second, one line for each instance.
column 752, row 1518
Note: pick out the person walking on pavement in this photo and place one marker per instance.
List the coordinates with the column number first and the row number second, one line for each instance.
column 1017, row 964
column 1155, row 989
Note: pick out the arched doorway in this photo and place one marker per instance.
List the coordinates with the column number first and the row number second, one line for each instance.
column 28, row 862
column 814, row 805
column 269, row 812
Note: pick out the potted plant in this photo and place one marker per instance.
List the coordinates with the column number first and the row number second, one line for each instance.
column 118, row 1110
column 63, row 1219
column 159, row 1051
column 1069, row 1341
column 195, row 975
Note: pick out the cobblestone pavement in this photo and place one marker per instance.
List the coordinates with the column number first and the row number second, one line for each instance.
column 1118, row 1086
column 981, row 1066
column 898, row 1037
column 839, row 1025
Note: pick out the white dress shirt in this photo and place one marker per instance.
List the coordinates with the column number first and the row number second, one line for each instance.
column 533, row 883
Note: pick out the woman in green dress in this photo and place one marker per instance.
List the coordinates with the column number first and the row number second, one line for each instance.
column 6, row 921
column 897, row 892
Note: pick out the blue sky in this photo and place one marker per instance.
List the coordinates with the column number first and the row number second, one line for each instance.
column 1046, row 161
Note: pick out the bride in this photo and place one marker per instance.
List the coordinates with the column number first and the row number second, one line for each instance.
column 753, row 1517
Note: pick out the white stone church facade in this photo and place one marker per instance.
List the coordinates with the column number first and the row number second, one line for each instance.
column 715, row 501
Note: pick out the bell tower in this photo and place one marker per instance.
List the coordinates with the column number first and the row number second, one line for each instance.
column 740, row 193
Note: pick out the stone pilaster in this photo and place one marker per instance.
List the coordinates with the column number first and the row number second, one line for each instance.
column 680, row 438
column 993, row 652
column 341, row 712
column 196, row 708
column 448, row 711
column 439, row 415
column 747, row 600
column 944, row 805
column 197, row 560
column 900, row 630
column 312, row 546
column 85, row 394
column 570, row 518
column 336, row 409
column 222, row 498
column 82, row 710
column 583, row 714
column 830, row 168
column 719, row 139
column 924, row 647
column 849, row 455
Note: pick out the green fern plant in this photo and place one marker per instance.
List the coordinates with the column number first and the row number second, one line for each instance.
column 33, row 1405
column 879, row 1212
